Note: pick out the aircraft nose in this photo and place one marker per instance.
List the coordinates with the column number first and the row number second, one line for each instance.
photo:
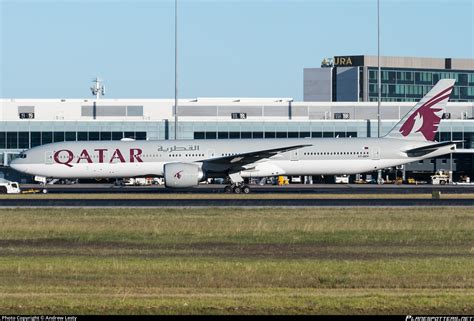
column 17, row 165
column 14, row 162
column 22, row 168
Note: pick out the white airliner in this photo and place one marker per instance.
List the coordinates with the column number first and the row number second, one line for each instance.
column 185, row 163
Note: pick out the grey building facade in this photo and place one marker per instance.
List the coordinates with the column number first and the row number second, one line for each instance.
column 354, row 78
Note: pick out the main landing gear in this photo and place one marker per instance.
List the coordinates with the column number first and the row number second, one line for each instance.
column 237, row 188
column 237, row 185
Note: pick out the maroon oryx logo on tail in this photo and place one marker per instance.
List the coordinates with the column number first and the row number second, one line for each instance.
column 426, row 118
column 178, row 175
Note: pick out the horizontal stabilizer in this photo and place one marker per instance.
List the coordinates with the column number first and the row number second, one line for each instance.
column 421, row 151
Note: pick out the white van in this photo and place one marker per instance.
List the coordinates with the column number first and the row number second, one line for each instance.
column 7, row 187
column 341, row 179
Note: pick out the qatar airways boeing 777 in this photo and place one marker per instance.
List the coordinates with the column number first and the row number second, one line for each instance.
column 185, row 163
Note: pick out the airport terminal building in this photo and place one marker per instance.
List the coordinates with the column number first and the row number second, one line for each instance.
column 339, row 101
column 26, row 123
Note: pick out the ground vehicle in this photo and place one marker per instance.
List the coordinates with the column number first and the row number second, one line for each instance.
column 341, row 179
column 7, row 187
column 282, row 180
column 141, row 181
column 440, row 178
column 268, row 180
column 411, row 180
column 398, row 181
column 295, row 179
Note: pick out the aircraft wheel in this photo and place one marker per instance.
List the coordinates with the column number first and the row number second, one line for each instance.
column 237, row 190
column 246, row 189
column 227, row 189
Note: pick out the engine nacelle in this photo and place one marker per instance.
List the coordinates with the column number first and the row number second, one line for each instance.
column 182, row 175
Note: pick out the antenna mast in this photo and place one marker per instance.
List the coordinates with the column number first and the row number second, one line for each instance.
column 98, row 89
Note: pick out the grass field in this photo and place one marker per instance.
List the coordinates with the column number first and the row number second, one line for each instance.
column 270, row 261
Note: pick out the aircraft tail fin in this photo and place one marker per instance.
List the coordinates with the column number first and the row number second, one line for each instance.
column 422, row 121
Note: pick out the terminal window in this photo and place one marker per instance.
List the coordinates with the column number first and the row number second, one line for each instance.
column 26, row 140
column 271, row 135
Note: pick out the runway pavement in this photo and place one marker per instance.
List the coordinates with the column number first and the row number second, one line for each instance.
column 94, row 198
column 210, row 202
column 256, row 189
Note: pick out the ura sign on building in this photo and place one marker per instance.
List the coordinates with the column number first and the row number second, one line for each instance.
column 348, row 61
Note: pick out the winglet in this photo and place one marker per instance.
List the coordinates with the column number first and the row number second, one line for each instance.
column 422, row 121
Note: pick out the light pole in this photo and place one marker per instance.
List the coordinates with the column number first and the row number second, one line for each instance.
column 379, row 80
column 175, row 69
column 379, row 84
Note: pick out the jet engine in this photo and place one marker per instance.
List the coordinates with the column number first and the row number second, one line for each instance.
column 182, row 175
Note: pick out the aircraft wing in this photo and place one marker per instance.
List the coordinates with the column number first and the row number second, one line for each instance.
column 240, row 160
column 421, row 151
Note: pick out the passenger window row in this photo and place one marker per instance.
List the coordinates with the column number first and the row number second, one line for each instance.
column 334, row 153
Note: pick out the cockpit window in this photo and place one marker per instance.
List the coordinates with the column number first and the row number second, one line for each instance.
column 22, row 156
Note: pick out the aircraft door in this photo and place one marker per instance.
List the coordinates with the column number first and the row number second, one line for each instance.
column 48, row 157
column 376, row 153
